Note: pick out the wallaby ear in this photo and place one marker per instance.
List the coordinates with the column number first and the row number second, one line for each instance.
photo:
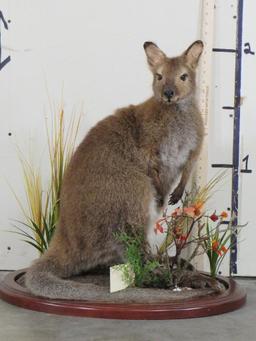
column 193, row 53
column 155, row 56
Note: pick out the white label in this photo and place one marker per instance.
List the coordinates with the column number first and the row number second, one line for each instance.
column 121, row 277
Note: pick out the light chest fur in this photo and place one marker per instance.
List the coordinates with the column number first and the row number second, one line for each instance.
column 181, row 140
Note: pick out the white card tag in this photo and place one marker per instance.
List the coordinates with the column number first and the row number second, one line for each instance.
column 121, row 277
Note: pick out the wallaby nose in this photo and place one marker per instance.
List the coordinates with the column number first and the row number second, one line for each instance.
column 168, row 93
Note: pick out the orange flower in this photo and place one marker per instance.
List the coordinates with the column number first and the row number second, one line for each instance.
column 216, row 248
column 158, row 226
column 198, row 208
column 215, row 245
column 189, row 211
column 224, row 249
column 198, row 212
column 177, row 212
column 224, row 214
column 198, row 205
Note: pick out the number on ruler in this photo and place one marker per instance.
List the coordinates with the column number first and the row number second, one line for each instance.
column 246, row 160
column 247, row 49
column 6, row 60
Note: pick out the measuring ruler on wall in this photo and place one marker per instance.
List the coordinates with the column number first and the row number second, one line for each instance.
column 235, row 108
column 204, row 96
column 205, row 82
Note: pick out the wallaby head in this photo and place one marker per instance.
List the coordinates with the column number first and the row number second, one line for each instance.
column 174, row 78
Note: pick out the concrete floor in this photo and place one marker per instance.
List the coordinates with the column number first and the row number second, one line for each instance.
column 18, row 324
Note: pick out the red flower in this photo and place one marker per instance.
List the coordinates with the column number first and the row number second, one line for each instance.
column 214, row 217
column 183, row 237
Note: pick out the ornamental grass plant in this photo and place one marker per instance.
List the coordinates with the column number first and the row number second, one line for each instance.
column 41, row 210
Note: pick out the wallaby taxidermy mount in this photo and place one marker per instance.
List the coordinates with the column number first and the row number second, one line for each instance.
column 121, row 174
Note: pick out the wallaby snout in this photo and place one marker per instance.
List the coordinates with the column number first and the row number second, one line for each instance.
column 168, row 93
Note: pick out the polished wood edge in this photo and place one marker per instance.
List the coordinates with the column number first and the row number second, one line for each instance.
column 233, row 298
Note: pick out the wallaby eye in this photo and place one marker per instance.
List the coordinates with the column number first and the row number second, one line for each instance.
column 158, row 76
column 184, row 77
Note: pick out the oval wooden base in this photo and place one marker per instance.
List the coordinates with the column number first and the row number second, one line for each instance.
column 233, row 298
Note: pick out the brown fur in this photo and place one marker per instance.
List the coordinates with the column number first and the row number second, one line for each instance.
column 126, row 164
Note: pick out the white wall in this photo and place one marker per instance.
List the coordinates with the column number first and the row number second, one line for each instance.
column 90, row 48
column 247, row 194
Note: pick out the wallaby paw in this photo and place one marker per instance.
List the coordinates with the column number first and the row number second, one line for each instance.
column 199, row 281
column 175, row 196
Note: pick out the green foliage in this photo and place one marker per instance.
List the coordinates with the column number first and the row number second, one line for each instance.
column 41, row 234
column 148, row 270
column 218, row 243
column 133, row 254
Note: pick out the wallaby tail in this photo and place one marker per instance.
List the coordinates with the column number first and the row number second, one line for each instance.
column 44, row 278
